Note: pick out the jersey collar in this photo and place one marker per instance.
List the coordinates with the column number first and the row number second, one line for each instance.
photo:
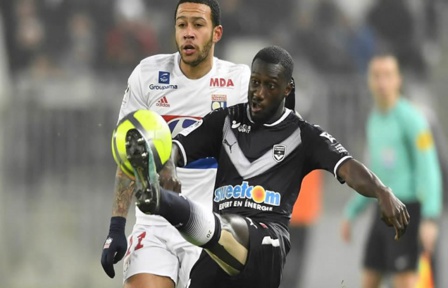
column 283, row 117
column 179, row 72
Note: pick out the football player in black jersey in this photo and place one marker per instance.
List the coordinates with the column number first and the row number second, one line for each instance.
column 264, row 150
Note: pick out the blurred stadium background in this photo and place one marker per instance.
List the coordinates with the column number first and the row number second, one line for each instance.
column 63, row 70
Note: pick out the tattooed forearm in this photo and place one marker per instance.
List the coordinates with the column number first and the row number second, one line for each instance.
column 124, row 190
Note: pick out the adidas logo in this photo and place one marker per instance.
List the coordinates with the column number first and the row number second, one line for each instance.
column 163, row 102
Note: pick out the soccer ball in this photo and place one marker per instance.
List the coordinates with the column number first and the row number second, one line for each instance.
column 153, row 128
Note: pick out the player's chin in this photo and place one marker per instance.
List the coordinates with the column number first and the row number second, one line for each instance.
column 257, row 117
column 191, row 60
column 187, row 58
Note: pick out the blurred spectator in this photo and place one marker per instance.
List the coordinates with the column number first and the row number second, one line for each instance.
column 432, row 20
column 432, row 11
column 29, row 33
column 233, row 17
column 132, row 38
column 362, row 47
column 394, row 27
column 324, row 38
column 55, row 14
column 30, row 87
column 268, row 17
column 81, row 50
column 234, row 21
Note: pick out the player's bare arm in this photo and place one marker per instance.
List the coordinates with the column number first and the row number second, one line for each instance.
column 366, row 183
column 116, row 244
column 124, row 190
column 168, row 176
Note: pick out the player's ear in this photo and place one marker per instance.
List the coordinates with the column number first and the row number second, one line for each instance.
column 290, row 102
column 290, row 88
column 217, row 33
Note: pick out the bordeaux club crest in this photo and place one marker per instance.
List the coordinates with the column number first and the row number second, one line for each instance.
column 279, row 152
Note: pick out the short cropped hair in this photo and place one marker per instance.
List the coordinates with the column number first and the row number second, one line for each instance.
column 386, row 54
column 214, row 7
column 277, row 55
column 383, row 53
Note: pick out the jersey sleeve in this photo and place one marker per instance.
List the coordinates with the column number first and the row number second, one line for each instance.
column 202, row 139
column 324, row 151
column 133, row 98
column 428, row 177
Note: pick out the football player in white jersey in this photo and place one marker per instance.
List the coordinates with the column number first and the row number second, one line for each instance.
column 182, row 87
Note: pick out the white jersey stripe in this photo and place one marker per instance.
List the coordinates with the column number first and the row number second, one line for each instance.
column 249, row 169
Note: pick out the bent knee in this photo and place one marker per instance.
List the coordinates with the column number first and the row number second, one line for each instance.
column 237, row 227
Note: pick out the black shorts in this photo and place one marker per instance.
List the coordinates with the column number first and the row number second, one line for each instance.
column 384, row 254
column 268, row 246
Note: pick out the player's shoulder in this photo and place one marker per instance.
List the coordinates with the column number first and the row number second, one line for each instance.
column 158, row 62
column 294, row 120
column 224, row 66
column 309, row 129
column 409, row 112
column 291, row 117
column 405, row 105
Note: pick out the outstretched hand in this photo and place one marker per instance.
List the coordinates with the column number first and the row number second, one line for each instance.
column 394, row 213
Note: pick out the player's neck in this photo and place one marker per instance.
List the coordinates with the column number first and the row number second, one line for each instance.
column 197, row 71
column 387, row 106
column 277, row 115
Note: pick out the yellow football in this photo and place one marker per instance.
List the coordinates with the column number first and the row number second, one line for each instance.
column 152, row 127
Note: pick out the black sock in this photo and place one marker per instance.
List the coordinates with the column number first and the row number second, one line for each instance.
column 174, row 208
column 197, row 224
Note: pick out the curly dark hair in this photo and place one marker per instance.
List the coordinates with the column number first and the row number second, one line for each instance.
column 214, row 7
column 277, row 55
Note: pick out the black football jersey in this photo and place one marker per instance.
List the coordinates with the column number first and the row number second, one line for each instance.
column 260, row 166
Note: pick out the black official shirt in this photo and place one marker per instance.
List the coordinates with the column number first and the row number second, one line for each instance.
column 260, row 166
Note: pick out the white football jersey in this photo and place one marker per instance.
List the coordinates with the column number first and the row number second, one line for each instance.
column 158, row 84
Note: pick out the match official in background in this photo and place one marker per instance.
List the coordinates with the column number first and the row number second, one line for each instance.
column 402, row 153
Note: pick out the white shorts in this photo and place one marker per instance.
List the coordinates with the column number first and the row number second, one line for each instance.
column 160, row 250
